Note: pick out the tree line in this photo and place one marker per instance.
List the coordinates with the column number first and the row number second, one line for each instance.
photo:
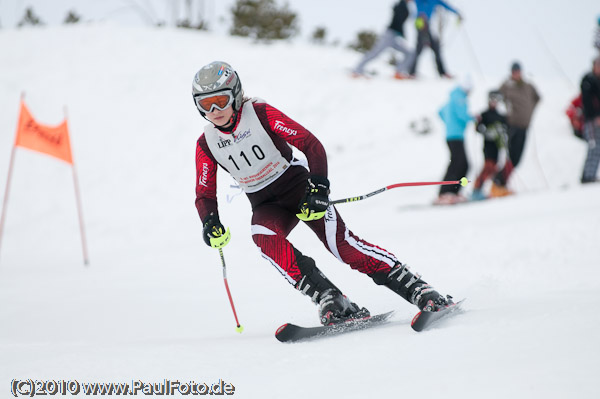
column 262, row 20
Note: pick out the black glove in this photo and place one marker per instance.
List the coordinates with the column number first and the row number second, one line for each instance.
column 316, row 200
column 214, row 233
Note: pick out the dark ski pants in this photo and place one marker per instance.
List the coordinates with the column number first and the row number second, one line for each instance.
column 458, row 167
column 274, row 217
column 516, row 144
column 592, row 160
column 424, row 37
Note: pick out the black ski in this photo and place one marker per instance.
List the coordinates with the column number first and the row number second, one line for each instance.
column 293, row 333
column 423, row 320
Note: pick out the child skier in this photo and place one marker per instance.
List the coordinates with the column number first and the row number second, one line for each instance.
column 492, row 125
column 251, row 140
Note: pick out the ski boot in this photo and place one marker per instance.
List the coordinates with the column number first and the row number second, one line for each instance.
column 433, row 305
column 410, row 287
column 336, row 308
column 478, row 195
column 333, row 306
column 499, row 191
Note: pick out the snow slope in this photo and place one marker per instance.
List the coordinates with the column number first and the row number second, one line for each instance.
column 152, row 306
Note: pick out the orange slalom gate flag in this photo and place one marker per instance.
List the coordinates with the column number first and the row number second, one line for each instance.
column 50, row 140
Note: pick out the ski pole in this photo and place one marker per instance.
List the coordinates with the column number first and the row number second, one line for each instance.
column 239, row 327
column 463, row 182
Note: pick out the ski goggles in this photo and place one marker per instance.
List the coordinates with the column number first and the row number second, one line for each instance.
column 207, row 103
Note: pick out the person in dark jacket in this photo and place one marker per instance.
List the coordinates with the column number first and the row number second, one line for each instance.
column 393, row 37
column 590, row 97
column 492, row 125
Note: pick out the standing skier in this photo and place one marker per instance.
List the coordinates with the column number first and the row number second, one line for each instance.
column 455, row 115
column 392, row 37
column 425, row 37
column 521, row 98
column 251, row 140
column 590, row 97
column 492, row 125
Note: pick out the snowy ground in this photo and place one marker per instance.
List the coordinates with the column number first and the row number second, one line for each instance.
column 152, row 305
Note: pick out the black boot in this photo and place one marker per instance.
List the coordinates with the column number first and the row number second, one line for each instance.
column 410, row 287
column 313, row 282
column 334, row 307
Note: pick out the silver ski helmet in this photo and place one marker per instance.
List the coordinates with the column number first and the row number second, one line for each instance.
column 215, row 78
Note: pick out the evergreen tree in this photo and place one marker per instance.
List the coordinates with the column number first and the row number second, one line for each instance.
column 72, row 18
column 30, row 18
column 263, row 20
column 364, row 41
column 319, row 35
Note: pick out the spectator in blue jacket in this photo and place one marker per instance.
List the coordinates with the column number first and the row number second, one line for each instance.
column 425, row 9
column 455, row 115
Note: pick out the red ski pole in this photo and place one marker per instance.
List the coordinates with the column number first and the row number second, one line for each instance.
column 239, row 327
column 463, row 182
